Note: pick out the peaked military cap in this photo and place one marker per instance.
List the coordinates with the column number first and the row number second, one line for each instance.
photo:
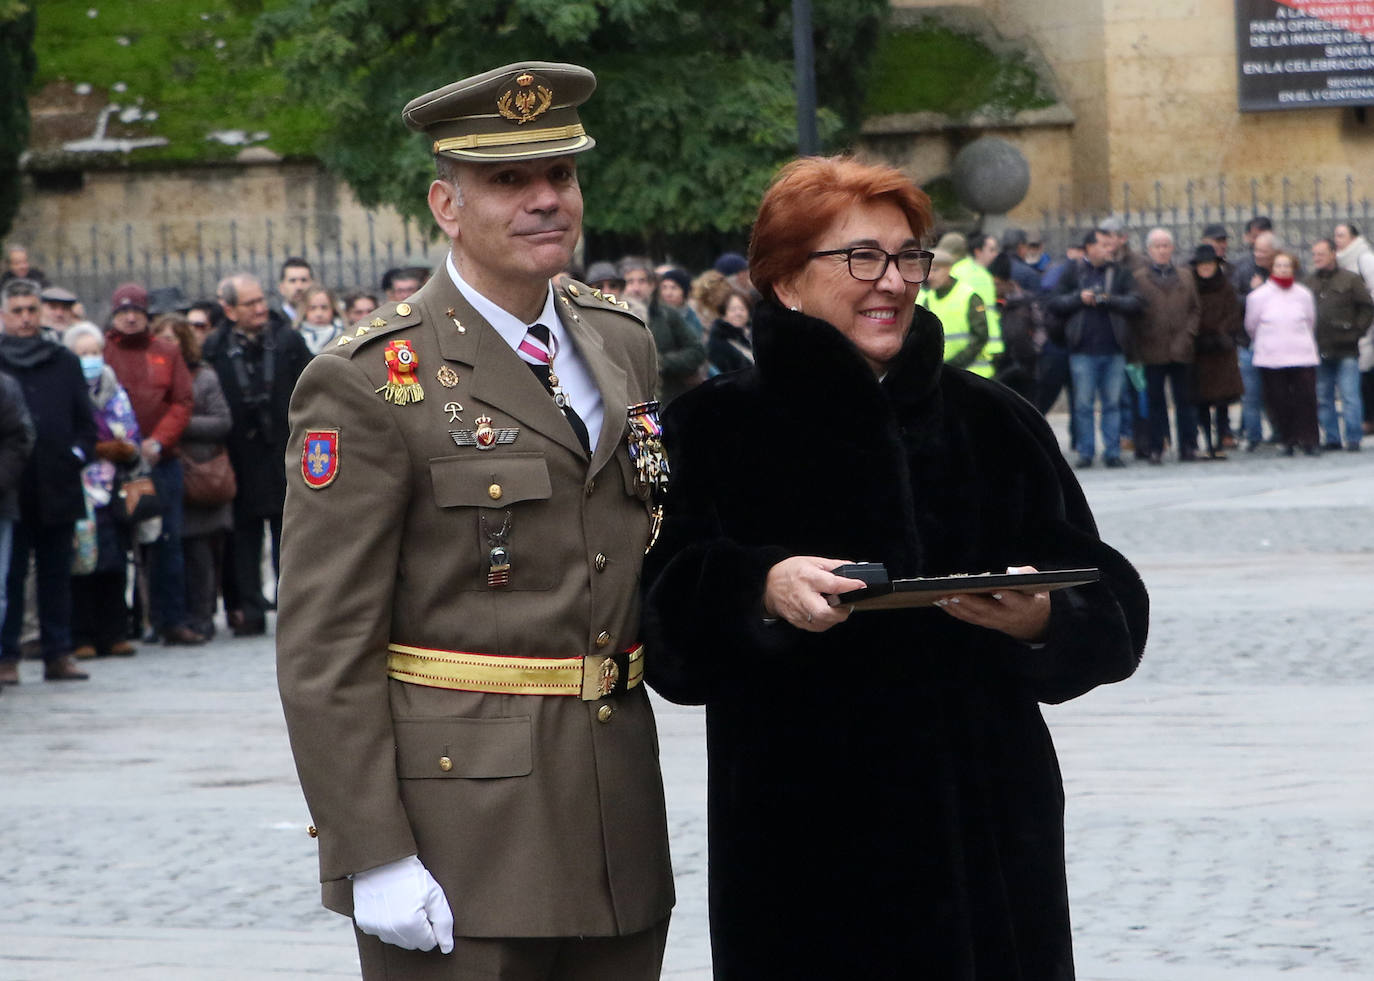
column 518, row 112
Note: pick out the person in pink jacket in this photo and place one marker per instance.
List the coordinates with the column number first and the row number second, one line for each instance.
column 1281, row 318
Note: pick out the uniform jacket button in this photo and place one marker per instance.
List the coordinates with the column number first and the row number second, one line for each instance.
column 604, row 713
column 312, row 831
column 494, row 492
column 591, row 487
column 600, row 561
column 602, row 639
column 445, row 763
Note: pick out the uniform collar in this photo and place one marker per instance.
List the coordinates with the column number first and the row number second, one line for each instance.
column 511, row 328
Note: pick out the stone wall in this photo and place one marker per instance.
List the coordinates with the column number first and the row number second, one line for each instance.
column 1152, row 88
column 188, row 226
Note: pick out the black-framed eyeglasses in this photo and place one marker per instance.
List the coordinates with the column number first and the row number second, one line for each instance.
column 869, row 265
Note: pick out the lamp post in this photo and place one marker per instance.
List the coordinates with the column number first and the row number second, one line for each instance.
column 804, row 63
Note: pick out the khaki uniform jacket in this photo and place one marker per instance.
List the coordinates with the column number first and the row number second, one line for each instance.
column 549, row 821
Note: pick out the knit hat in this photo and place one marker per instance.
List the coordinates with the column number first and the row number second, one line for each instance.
column 129, row 296
column 731, row 263
column 680, row 277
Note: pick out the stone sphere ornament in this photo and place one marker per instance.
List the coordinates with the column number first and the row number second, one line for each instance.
column 990, row 176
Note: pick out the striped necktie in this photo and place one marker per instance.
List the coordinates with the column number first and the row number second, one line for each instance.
column 538, row 350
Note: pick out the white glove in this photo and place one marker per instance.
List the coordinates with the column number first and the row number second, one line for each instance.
column 400, row 903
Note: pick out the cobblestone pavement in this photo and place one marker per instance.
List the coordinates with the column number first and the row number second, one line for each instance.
column 1220, row 814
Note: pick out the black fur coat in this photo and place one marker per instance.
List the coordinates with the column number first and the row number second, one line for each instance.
column 885, row 800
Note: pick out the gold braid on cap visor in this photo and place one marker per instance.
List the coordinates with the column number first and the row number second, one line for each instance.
column 477, row 141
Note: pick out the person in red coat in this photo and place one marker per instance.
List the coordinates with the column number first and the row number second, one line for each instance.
column 154, row 374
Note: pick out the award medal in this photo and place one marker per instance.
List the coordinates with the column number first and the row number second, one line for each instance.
column 402, row 387
column 645, row 442
column 498, row 556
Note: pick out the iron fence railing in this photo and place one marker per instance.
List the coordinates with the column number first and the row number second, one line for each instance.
column 196, row 257
column 1301, row 209
column 92, row 259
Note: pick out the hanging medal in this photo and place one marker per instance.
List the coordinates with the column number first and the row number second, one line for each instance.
column 645, row 442
column 560, row 397
column 401, row 386
column 498, row 555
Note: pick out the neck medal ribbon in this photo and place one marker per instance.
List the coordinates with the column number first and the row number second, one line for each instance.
column 401, row 386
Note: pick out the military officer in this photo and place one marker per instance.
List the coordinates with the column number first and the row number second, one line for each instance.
column 472, row 478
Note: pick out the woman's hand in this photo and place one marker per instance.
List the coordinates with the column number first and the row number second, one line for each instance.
column 802, row 591
column 1025, row 616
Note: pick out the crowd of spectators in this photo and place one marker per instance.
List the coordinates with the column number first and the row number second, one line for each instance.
column 1134, row 337
column 155, row 445
column 142, row 462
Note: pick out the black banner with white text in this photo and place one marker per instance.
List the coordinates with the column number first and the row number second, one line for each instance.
column 1304, row 54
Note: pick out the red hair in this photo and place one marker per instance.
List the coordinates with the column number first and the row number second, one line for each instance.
column 807, row 197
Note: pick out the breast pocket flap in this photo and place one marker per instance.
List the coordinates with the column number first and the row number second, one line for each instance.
column 490, row 481
column 463, row 748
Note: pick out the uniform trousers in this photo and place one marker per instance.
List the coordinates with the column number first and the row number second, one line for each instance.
column 636, row 957
column 1290, row 397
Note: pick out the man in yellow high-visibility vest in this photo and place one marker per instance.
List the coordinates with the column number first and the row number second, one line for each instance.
column 972, row 337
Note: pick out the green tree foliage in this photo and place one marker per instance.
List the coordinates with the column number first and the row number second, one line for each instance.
column 694, row 112
column 17, row 66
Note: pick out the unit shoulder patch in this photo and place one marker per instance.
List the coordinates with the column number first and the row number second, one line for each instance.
column 320, row 458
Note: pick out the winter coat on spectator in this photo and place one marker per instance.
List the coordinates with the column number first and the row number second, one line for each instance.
column 680, row 351
column 1167, row 328
column 729, row 347
column 1344, row 311
column 1123, row 305
column 154, row 374
column 16, row 443
column 257, row 438
column 1219, row 323
column 1282, row 326
column 204, row 437
column 115, row 423
column 58, row 401
column 1358, row 257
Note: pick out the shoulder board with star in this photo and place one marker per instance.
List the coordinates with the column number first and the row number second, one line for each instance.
column 384, row 320
column 582, row 295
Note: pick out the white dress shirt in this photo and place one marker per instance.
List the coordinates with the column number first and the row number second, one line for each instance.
column 573, row 375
